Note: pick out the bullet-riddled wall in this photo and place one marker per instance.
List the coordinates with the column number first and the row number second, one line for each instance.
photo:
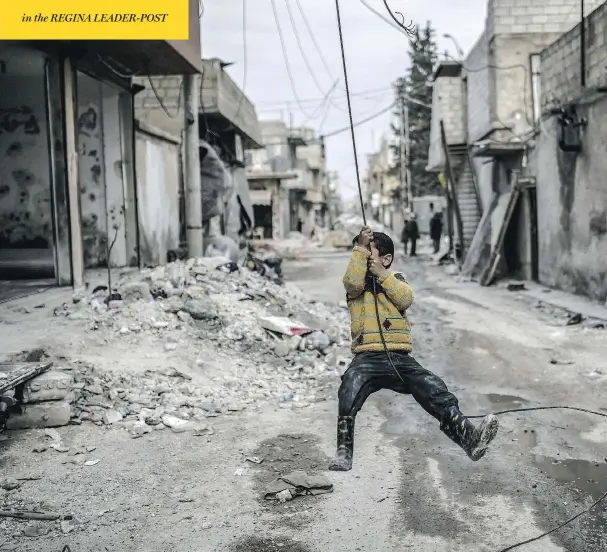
column 26, row 219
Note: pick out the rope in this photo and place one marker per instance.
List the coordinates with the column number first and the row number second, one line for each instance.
column 381, row 333
column 347, row 85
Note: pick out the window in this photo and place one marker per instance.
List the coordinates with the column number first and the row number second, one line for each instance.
column 536, row 93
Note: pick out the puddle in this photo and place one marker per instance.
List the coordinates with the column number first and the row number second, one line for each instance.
column 587, row 477
column 506, row 402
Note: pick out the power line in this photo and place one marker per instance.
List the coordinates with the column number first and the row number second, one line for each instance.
column 361, row 122
column 324, row 104
column 370, row 91
column 302, row 50
column 286, row 58
column 384, row 19
column 305, row 57
column 245, row 62
column 309, row 27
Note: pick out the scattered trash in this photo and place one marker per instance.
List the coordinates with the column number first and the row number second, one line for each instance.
column 254, row 459
column 575, row 319
column 36, row 530
column 297, row 483
column 284, row 326
column 516, row 286
column 241, row 471
column 92, row 462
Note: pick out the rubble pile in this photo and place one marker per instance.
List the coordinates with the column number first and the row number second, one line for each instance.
column 272, row 343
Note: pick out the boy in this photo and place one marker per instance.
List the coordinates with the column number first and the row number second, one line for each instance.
column 371, row 370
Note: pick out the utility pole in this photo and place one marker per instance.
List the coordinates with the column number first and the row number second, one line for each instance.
column 408, row 157
column 404, row 182
column 193, row 192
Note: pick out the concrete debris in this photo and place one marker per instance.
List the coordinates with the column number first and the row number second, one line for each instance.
column 193, row 311
column 49, row 386
column 40, row 415
column 297, row 483
column 10, row 484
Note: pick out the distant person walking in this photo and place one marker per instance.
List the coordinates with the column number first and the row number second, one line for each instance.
column 436, row 230
column 411, row 234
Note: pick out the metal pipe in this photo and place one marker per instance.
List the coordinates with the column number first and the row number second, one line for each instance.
column 583, row 47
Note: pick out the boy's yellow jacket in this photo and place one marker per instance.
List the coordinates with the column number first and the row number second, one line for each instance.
column 394, row 297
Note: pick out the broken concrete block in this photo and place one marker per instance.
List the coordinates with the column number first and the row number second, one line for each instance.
column 49, row 386
column 111, row 417
column 39, row 415
column 135, row 291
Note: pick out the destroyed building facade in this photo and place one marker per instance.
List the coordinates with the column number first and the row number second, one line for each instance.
column 494, row 141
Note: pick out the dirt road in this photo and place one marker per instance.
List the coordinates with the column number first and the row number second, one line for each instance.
column 410, row 487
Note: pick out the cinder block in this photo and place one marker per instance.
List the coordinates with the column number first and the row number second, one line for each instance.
column 39, row 415
column 49, row 386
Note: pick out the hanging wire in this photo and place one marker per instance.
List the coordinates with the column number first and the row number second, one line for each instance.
column 410, row 29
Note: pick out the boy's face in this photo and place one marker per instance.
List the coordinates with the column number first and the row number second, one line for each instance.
column 386, row 260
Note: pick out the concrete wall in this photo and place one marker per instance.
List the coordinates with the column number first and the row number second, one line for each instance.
column 91, row 171
column 149, row 110
column 100, row 156
column 25, row 172
column 538, row 16
column 479, row 89
column 571, row 194
column 560, row 79
column 158, row 180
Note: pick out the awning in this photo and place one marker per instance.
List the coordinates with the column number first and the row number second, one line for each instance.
column 261, row 197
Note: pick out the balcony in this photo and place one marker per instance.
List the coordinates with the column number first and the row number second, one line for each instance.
column 224, row 102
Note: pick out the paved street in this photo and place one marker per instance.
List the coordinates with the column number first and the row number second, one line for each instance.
column 410, row 488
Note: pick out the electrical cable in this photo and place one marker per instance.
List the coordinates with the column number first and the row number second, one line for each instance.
column 323, row 106
column 245, row 62
column 381, row 333
column 305, row 57
column 558, row 527
column 410, row 29
column 358, row 123
column 179, row 94
column 364, row 93
column 398, row 27
column 316, row 46
column 286, row 58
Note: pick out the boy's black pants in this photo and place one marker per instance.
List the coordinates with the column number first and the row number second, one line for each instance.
column 370, row 372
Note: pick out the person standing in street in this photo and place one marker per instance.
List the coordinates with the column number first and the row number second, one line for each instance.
column 412, row 231
column 436, row 230
column 404, row 236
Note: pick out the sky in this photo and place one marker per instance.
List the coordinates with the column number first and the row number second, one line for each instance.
column 376, row 55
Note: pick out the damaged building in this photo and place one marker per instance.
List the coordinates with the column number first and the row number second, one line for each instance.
column 289, row 181
column 493, row 124
column 71, row 199
column 228, row 126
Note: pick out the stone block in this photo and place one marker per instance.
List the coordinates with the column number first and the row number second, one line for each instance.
column 49, row 386
column 40, row 415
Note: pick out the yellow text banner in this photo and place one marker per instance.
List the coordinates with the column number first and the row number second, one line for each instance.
column 105, row 20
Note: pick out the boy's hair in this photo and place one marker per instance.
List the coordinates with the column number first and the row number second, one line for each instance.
column 382, row 242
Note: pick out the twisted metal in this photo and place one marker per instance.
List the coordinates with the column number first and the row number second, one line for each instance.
column 410, row 29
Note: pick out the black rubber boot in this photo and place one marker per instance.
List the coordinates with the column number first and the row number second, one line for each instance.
column 473, row 439
column 345, row 444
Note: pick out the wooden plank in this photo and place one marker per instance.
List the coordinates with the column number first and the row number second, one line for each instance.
column 496, row 254
column 13, row 374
